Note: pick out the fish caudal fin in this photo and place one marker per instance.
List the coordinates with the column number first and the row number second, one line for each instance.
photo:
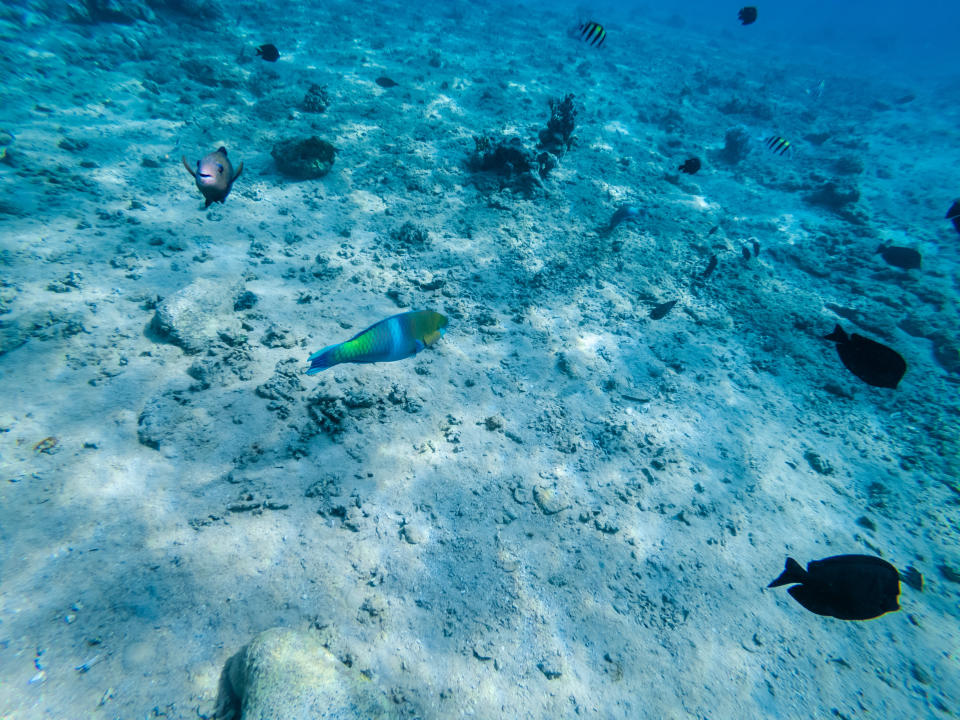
column 323, row 359
column 792, row 573
column 838, row 335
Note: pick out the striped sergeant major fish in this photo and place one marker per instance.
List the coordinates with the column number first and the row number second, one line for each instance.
column 394, row 338
column 593, row 33
column 777, row 144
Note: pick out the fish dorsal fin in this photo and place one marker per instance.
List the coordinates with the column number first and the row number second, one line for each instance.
column 838, row 335
column 792, row 573
column 222, row 150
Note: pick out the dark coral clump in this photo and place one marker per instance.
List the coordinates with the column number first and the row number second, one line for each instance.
column 305, row 159
column 410, row 235
column 736, row 145
column 834, row 195
column 316, row 100
column 558, row 135
column 517, row 165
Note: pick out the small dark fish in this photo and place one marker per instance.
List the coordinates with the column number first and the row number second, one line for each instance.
column 777, row 144
column 268, row 52
column 661, row 310
column 623, row 213
column 872, row 362
column 746, row 252
column 954, row 214
column 756, row 248
column 908, row 98
column 691, row 166
column 747, row 15
column 385, row 82
column 901, row 257
column 847, row 587
column 593, row 33
column 711, row 266
column 713, row 229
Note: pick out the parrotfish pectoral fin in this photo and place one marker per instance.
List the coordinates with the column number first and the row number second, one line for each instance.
column 237, row 173
column 418, row 345
column 431, row 338
column 187, row 166
column 792, row 573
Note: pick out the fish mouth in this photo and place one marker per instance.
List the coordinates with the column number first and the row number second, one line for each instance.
column 205, row 175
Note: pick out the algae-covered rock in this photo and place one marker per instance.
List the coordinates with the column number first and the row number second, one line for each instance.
column 306, row 159
column 285, row 673
column 194, row 317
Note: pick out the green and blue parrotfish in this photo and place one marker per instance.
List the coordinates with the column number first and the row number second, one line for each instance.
column 395, row 338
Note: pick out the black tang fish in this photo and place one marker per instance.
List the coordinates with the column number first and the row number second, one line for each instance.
column 691, row 166
column 385, row 82
column 747, row 15
column 954, row 214
column 848, row 587
column 661, row 310
column 711, row 266
column 593, row 33
column 901, row 257
column 268, row 52
column 745, row 251
column 214, row 175
column 777, row 144
column 872, row 362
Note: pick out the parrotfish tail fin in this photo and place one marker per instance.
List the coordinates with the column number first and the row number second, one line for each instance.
column 838, row 335
column 322, row 359
column 187, row 166
column 792, row 573
column 237, row 173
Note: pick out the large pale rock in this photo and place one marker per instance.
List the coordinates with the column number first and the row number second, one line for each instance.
column 286, row 673
column 198, row 315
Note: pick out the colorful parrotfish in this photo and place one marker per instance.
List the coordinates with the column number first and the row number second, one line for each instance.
column 395, row 338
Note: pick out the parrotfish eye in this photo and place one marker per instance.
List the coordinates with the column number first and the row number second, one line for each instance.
column 219, row 168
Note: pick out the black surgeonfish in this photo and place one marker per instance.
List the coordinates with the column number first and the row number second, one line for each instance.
column 660, row 311
column 954, row 214
column 872, row 362
column 385, row 82
column 901, row 257
column 747, row 15
column 691, row 166
column 268, row 52
column 711, row 266
column 847, row 587
column 593, row 33
column 777, row 144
